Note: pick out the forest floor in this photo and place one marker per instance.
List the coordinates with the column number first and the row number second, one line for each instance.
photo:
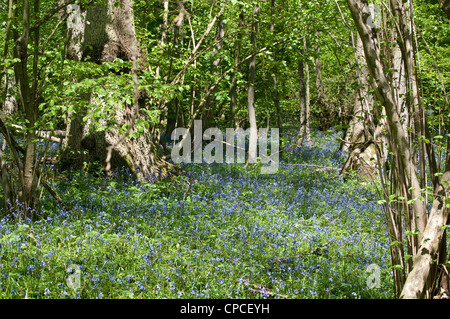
column 304, row 232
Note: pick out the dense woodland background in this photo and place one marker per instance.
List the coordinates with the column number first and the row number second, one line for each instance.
column 93, row 89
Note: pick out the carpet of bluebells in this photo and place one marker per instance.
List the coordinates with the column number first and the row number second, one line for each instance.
column 222, row 231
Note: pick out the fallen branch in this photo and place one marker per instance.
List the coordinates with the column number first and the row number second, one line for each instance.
column 260, row 289
column 49, row 160
column 53, row 136
column 257, row 288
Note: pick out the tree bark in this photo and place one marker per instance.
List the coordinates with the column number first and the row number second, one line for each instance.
column 233, row 86
column 321, row 99
column 364, row 138
column 307, row 97
column 110, row 34
column 445, row 4
column 417, row 282
column 383, row 91
column 210, row 105
column 363, row 101
column 302, row 93
column 29, row 107
column 276, row 97
column 251, row 91
column 431, row 228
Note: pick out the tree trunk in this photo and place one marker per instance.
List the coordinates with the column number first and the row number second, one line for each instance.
column 383, row 92
column 110, row 34
column 251, row 92
column 303, row 76
column 431, row 228
column 233, row 86
column 445, row 4
column 276, row 97
column 30, row 110
column 321, row 100
column 307, row 97
column 210, row 104
column 302, row 93
column 367, row 145
column 418, row 280
column 363, row 101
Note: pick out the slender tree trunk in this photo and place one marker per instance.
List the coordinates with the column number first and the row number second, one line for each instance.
column 302, row 93
column 356, row 131
column 321, row 100
column 307, row 96
column 8, row 82
column 166, row 107
column 210, row 105
column 431, row 228
column 303, row 76
column 233, row 86
column 276, row 97
column 251, row 91
column 165, row 27
column 29, row 107
column 9, row 106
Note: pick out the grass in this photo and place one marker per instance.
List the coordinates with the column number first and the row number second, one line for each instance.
column 301, row 233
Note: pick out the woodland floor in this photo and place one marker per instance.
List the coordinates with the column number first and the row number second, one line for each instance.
column 304, row 232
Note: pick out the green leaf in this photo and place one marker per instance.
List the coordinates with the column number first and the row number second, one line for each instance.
column 395, row 243
column 398, row 267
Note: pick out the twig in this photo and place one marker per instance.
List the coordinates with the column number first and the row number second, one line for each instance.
column 257, row 288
